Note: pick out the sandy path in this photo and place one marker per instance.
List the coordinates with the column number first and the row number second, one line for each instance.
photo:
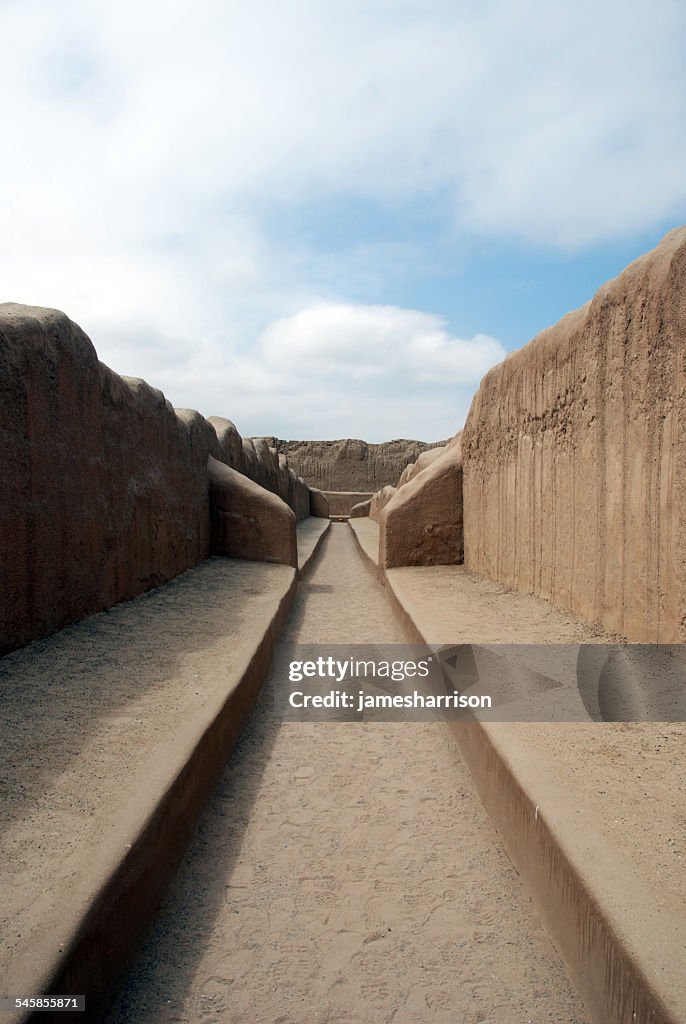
column 89, row 716
column 627, row 777
column 345, row 873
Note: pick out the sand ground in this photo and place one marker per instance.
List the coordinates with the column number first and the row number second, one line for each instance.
column 345, row 872
column 91, row 717
column 628, row 777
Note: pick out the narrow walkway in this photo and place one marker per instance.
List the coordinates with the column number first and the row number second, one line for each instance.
column 345, row 873
column 95, row 720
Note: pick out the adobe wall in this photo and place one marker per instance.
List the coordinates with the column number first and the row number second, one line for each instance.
column 341, row 502
column 421, row 522
column 350, row 464
column 256, row 459
column 249, row 521
column 573, row 455
column 380, row 499
column 105, row 489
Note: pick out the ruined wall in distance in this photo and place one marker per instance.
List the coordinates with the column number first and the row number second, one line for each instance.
column 350, row 464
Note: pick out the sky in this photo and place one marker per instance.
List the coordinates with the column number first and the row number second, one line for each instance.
column 329, row 219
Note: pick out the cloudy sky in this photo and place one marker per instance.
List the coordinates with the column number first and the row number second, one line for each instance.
column 323, row 218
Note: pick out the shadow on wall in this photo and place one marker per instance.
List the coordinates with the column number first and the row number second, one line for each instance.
column 249, row 521
column 105, row 492
column 420, row 520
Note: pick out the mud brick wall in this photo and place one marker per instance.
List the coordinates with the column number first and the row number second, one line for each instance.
column 104, row 489
column 574, row 454
column 350, row 464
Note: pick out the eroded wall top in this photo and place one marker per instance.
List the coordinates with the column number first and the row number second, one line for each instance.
column 105, row 490
column 350, row 464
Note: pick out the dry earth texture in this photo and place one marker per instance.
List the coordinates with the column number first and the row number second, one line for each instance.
column 346, row 872
column 572, row 449
column 105, row 485
column 351, row 464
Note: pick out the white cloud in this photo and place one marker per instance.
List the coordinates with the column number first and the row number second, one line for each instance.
column 142, row 144
column 332, row 370
column 366, row 342
column 329, row 370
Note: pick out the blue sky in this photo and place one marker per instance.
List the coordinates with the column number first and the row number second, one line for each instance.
column 323, row 219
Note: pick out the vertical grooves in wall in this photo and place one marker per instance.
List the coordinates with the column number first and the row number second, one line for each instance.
column 601, row 485
column 541, row 449
column 574, row 526
column 586, row 420
column 626, row 555
column 516, row 498
column 554, row 477
column 655, row 442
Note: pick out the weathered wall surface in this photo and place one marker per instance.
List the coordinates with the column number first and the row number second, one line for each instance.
column 341, row 502
column 379, row 500
column 424, row 460
column 249, row 521
column 573, row 456
column 421, row 523
column 256, row 459
column 361, row 509
column 349, row 465
column 319, row 506
column 105, row 489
